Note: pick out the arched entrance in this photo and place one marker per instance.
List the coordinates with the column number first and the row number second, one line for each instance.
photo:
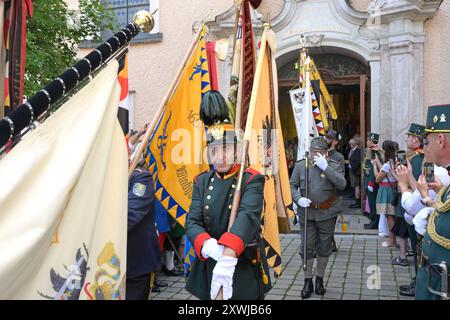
column 347, row 77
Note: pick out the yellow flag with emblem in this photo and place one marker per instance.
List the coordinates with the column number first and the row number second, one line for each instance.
column 174, row 152
column 266, row 150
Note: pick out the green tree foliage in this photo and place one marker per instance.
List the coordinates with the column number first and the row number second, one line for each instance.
column 53, row 35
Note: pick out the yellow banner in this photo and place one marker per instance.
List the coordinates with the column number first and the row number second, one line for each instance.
column 267, row 155
column 63, row 202
column 174, row 153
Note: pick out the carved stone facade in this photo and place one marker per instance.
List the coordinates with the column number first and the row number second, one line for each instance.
column 388, row 39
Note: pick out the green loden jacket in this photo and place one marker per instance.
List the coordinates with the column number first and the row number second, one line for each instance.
column 208, row 218
column 435, row 249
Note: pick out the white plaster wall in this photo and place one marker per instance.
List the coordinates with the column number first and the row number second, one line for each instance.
column 437, row 58
column 360, row 5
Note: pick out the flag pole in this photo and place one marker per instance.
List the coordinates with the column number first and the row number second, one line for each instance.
column 36, row 107
column 247, row 135
column 162, row 107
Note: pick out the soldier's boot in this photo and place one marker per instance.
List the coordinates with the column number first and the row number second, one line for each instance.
column 320, row 290
column 308, row 288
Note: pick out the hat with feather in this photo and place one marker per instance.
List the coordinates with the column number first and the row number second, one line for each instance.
column 215, row 116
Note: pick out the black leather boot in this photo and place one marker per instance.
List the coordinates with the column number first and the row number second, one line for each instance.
column 308, row 288
column 320, row 290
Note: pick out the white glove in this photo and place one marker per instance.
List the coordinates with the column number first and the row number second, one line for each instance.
column 304, row 202
column 370, row 188
column 223, row 277
column 420, row 220
column 321, row 162
column 211, row 249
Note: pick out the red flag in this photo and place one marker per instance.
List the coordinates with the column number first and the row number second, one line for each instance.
column 248, row 60
column 211, row 56
column 15, row 29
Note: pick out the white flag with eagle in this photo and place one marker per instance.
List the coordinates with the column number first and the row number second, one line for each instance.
column 63, row 202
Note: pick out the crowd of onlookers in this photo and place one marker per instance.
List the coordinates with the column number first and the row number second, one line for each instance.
column 390, row 186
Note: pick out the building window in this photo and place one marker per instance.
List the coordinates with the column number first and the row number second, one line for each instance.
column 125, row 10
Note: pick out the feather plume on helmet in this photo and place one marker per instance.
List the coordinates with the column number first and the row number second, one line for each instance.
column 215, row 116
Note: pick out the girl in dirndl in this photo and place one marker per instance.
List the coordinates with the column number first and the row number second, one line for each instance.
column 387, row 184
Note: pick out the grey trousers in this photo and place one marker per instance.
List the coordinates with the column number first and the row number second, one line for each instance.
column 319, row 237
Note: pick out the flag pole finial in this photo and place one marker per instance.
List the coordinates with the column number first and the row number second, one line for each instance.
column 144, row 20
column 302, row 41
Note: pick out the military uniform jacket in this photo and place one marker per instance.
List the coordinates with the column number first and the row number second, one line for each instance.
column 143, row 252
column 322, row 185
column 338, row 157
column 435, row 247
column 369, row 178
column 208, row 218
column 416, row 161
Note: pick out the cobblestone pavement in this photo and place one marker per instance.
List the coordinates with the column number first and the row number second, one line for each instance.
column 360, row 270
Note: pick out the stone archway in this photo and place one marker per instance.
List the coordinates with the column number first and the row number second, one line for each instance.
column 390, row 40
column 345, row 76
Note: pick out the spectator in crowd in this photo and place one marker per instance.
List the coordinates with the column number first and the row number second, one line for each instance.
column 386, row 204
column 354, row 159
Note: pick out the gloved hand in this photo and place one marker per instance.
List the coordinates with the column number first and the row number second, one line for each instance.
column 223, row 277
column 304, row 202
column 321, row 162
column 211, row 249
column 421, row 220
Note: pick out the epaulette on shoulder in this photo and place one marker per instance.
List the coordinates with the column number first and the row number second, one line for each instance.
column 253, row 173
column 196, row 177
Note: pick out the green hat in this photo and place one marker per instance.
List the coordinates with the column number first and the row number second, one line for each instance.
column 319, row 143
column 417, row 130
column 373, row 136
column 437, row 119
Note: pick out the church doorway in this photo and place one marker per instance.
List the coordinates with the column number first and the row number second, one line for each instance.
column 346, row 77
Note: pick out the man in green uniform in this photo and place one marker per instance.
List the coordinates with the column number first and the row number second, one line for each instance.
column 414, row 143
column 369, row 183
column 432, row 277
column 325, row 176
column 232, row 260
column 333, row 138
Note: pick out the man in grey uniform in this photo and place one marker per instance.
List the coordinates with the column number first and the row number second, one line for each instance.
column 333, row 138
column 325, row 177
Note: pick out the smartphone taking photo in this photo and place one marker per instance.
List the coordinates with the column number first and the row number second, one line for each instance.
column 400, row 157
column 428, row 171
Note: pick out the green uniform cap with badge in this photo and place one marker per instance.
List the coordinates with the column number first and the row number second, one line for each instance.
column 438, row 118
column 417, row 130
column 319, row 143
column 375, row 137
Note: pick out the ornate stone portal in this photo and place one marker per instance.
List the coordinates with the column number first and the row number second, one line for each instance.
column 389, row 39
